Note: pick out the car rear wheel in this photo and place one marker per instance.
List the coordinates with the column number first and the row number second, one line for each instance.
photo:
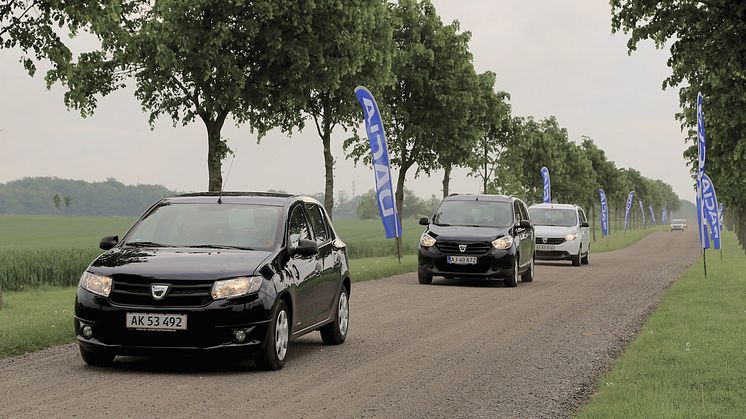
column 424, row 278
column 512, row 279
column 587, row 258
column 528, row 276
column 273, row 354
column 96, row 359
column 335, row 332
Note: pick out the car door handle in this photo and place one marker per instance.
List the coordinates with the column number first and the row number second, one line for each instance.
column 317, row 271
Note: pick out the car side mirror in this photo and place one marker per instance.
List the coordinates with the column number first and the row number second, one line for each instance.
column 524, row 224
column 304, row 248
column 108, row 242
column 585, row 224
column 424, row 221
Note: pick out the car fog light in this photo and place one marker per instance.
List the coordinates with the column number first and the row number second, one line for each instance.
column 239, row 336
column 86, row 331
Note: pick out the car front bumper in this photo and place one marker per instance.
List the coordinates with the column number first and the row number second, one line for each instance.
column 209, row 328
column 493, row 264
column 563, row 251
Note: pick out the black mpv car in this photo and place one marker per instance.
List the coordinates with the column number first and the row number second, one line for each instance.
column 241, row 274
column 478, row 236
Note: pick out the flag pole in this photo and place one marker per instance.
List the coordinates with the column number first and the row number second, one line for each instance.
column 704, row 260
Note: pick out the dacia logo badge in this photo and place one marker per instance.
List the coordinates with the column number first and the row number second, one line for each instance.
column 462, row 248
column 158, row 291
column 544, row 240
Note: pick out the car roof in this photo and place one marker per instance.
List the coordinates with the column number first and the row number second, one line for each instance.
column 479, row 197
column 554, row 206
column 263, row 198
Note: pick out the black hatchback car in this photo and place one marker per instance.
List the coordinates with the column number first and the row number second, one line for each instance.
column 478, row 236
column 241, row 274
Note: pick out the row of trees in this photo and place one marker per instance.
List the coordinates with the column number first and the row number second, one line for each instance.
column 705, row 39
column 276, row 64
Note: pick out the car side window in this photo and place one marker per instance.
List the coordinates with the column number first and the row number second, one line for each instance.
column 320, row 230
column 524, row 212
column 517, row 212
column 297, row 226
column 581, row 215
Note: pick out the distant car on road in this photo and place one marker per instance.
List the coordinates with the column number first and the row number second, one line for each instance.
column 478, row 236
column 562, row 233
column 678, row 224
column 242, row 274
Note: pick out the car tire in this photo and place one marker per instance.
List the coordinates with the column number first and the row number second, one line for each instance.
column 96, row 359
column 335, row 332
column 587, row 258
column 274, row 352
column 576, row 259
column 512, row 280
column 424, row 278
column 528, row 276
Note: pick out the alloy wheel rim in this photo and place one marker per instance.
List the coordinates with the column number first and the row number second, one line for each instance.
column 515, row 271
column 281, row 335
column 343, row 314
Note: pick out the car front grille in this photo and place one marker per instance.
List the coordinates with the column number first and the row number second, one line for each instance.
column 550, row 240
column 135, row 291
column 471, row 248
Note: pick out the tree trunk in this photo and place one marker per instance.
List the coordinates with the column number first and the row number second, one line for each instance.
column 400, row 189
column 486, row 176
column 593, row 218
column 1, row 298
column 216, row 151
column 326, row 139
column 446, row 179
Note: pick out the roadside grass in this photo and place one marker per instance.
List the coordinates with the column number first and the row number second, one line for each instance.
column 36, row 319
column 618, row 240
column 374, row 268
column 688, row 360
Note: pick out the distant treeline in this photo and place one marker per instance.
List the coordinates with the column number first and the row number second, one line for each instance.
column 36, row 196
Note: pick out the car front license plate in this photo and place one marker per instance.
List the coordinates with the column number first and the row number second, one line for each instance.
column 462, row 260
column 156, row 321
column 545, row 247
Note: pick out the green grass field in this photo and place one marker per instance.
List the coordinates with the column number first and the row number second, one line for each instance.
column 688, row 358
column 619, row 240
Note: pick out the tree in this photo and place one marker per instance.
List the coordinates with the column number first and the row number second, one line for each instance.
column 56, row 200
column 350, row 45
column 194, row 59
column 67, row 200
column 367, row 207
column 414, row 107
column 495, row 132
column 697, row 33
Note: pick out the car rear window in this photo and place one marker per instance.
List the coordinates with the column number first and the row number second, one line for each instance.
column 554, row 217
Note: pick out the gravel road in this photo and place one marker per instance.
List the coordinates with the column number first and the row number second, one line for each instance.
column 451, row 349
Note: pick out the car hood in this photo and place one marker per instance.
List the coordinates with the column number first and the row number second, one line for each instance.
column 554, row 231
column 476, row 234
column 178, row 263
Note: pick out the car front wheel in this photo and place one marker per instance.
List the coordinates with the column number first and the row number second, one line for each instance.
column 512, row 279
column 424, row 278
column 587, row 258
column 272, row 356
column 335, row 332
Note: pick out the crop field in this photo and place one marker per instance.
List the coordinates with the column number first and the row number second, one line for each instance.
column 54, row 250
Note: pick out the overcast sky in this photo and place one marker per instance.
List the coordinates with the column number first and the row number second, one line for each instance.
column 554, row 58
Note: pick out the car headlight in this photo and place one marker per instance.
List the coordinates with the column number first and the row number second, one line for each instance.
column 503, row 242
column 427, row 240
column 571, row 236
column 97, row 284
column 236, row 287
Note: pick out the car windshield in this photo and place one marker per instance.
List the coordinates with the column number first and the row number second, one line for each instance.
column 678, row 221
column 218, row 226
column 474, row 214
column 554, row 217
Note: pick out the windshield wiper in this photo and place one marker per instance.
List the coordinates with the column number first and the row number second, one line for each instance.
column 146, row 244
column 218, row 246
